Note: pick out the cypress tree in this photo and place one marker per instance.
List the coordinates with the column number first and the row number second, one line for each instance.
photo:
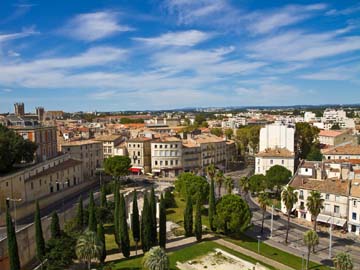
column 12, row 243
column 146, row 226
column 124, row 233
column 212, row 207
column 117, row 215
column 198, row 223
column 55, row 226
column 92, row 217
column 153, row 217
column 103, row 202
column 162, row 223
column 135, row 223
column 80, row 215
column 101, row 236
column 188, row 217
column 39, row 237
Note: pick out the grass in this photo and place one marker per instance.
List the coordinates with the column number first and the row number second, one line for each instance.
column 273, row 253
column 183, row 255
column 111, row 246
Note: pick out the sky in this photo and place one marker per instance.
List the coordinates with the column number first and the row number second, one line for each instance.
column 117, row 55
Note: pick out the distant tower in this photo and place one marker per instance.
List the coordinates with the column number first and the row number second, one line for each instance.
column 19, row 109
column 40, row 113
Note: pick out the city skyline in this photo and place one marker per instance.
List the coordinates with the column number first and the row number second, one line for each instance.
column 121, row 55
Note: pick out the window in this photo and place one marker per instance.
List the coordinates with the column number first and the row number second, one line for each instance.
column 160, row 145
column 337, row 198
column 156, row 162
column 354, row 216
column 166, row 146
column 354, row 203
column 32, row 185
column 155, row 146
column 161, row 162
column 176, row 162
column 166, row 162
column 271, row 161
column 171, row 162
column 138, row 153
column 282, row 162
column 327, row 196
column 336, row 209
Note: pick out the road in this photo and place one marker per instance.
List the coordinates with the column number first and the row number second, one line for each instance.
column 296, row 233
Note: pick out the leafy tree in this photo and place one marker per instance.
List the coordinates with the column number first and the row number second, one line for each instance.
column 248, row 137
column 117, row 215
column 289, row 197
column 55, row 226
column 278, row 176
column 191, row 184
column 229, row 133
column 263, row 203
column 80, row 214
column 219, row 179
column 217, row 132
column 153, row 217
column 156, row 259
column 233, row 214
column 305, row 136
column 343, row 261
column 117, row 166
column 101, row 237
column 146, row 226
column 135, row 222
column 13, row 251
column 39, row 237
column 162, row 223
column 169, row 199
column 103, row 201
column 229, row 184
column 244, row 184
column 315, row 153
column 335, row 126
column 92, row 217
column 200, row 119
column 124, row 233
column 257, row 183
column 60, row 252
column 198, row 223
column 211, row 171
column 212, row 205
column 88, row 247
column 188, row 217
column 14, row 149
column 311, row 239
column 315, row 204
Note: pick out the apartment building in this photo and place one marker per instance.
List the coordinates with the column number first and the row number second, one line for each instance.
column 166, row 156
column 276, row 147
column 191, row 157
column 139, row 150
column 342, row 152
column 109, row 143
column 89, row 152
column 333, row 138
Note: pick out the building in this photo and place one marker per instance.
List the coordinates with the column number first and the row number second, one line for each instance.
column 331, row 117
column 19, row 109
column 40, row 113
column 89, row 152
column 342, row 152
column 276, row 147
column 336, row 137
column 166, row 156
column 109, row 143
column 191, row 157
column 139, row 150
column 310, row 117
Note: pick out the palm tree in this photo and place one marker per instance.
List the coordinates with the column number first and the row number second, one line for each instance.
column 263, row 203
column 219, row 179
column 289, row 197
column 88, row 247
column 343, row 261
column 244, row 184
column 229, row 184
column 315, row 204
column 211, row 171
column 311, row 239
column 156, row 259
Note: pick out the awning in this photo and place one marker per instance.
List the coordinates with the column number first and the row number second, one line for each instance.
column 331, row 220
column 156, row 170
column 135, row 170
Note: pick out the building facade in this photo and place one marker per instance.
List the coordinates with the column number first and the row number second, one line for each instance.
column 139, row 150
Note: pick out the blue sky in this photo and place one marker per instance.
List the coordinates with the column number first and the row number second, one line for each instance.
column 163, row 54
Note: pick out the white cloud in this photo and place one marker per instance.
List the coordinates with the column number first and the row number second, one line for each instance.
column 24, row 33
column 7, row 90
column 303, row 46
column 94, row 26
column 182, row 38
column 340, row 73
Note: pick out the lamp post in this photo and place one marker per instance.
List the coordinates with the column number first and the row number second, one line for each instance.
column 14, row 201
column 258, row 238
column 272, row 221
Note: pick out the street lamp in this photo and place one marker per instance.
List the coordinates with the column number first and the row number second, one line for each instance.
column 14, row 201
column 258, row 238
column 272, row 221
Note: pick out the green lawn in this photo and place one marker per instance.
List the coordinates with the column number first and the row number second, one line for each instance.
column 183, row 255
column 273, row 253
column 111, row 246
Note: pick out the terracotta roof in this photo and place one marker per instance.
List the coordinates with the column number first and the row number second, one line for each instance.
column 60, row 167
column 355, row 189
column 344, row 150
column 140, row 139
column 80, row 142
column 168, row 139
column 277, row 152
column 351, row 161
column 331, row 186
column 108, row 138
column 331, row 133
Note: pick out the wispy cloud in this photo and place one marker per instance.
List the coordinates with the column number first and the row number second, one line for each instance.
column 345, row 11
column 94, row 26
column 340, row 73
column 181, row 38
column 24, row 33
